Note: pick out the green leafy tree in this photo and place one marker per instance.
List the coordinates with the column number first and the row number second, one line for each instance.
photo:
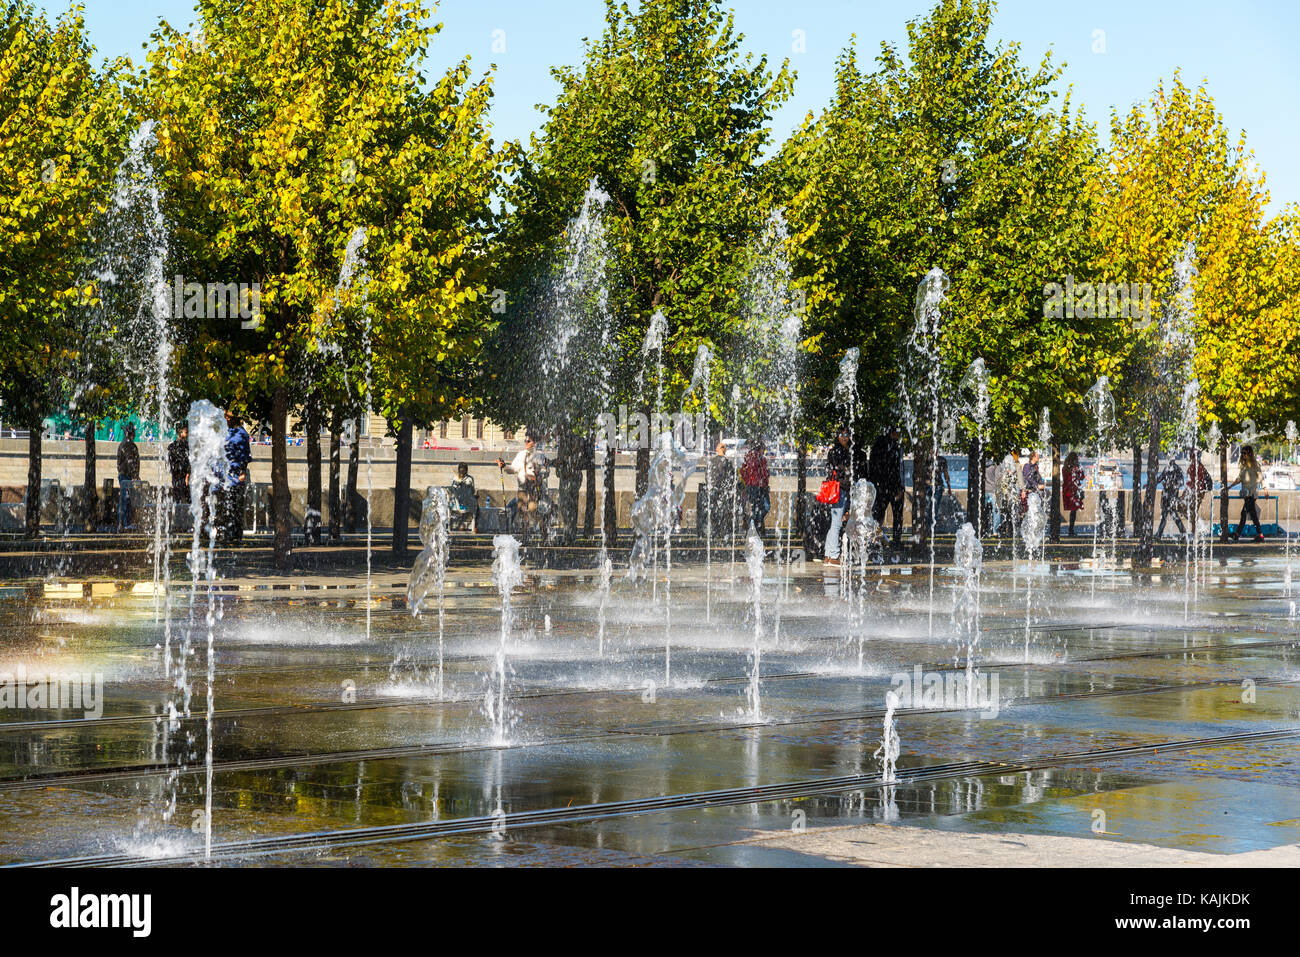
column 670, row 119
column 1177, row 177
column 283, row 126
column 955, row 157
column 61, row 135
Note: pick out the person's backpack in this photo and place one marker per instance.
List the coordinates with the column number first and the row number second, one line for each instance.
column 751, row 470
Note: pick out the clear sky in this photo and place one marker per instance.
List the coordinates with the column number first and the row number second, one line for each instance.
column 1243, row 49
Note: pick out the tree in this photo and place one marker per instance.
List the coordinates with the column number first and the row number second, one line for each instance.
column 955, row 158
column 1178, row 183
column 283, row 126
column 61, row 133
column 670, row 120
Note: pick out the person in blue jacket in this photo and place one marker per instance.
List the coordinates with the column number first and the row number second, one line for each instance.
column 238, row 456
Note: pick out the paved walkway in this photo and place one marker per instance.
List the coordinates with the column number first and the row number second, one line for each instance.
column 893, row 845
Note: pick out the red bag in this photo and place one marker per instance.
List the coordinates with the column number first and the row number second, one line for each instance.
column 829, row 494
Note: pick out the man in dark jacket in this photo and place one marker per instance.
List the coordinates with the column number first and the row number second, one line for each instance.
column 178, row 463
column 128, row 473
column 887, row 475
column 713, row 498
column 238, row 457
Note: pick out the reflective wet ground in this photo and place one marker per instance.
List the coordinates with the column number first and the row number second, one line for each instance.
column 1130, row 707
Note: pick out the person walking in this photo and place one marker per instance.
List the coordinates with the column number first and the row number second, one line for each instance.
column 714, row 492
column 1172, row 501
column 886, row 473
column 754, row 473
column 1248, row 476
column 528, row 467
column 1032, row 476
column 464, row 499
column 128, row 473
column 1072, row 481
column 178, row 464
column 845, row 463
column 1199, row 481
column 239, row 455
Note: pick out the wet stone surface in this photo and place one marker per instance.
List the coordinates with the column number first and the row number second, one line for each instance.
column 1171, row 707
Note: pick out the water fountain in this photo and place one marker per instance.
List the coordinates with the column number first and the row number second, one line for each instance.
column 606, row 573
column 975, row 381
column 923, row 369
column 1187, row 440
column 889, row 748
column 429, row 573
column 354, row 272
column 768, row 363
column 846, row 400
column 968, row 554
column 754, row 562
column 700, row 379
column 655, row 512
column 1099, row 401
column 861, row 536
column 1178, row 359
column 136, row 302
column 1291, row 440
column 207, row 446
column 655, row 339
column 508, row 575
column 1033, row 530
column 735, row 477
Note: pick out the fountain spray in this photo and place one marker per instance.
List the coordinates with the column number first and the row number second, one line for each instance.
column 925, row 364
column 429, row 573
column 754, row 561
column 207, row 446
column 508, row 574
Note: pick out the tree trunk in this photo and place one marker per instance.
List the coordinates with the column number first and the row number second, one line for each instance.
column 311, row 423
column 1223, row 490
column 33, row 500
column 1143, row 552
column 280, row 481
column 642, row 471
column 336, row 504
column 1056, row 492
column 354, row 462
column 402, row 488
column 611, row 498
column 569, row 468
column 589, row 508
column 800, row 492
column 1137, row 488
column 89, row 492
column 974, row 487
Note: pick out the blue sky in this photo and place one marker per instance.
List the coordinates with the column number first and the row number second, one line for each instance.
column 1240, row 48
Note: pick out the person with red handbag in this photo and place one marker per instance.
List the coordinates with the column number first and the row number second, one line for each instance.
column 845, row 463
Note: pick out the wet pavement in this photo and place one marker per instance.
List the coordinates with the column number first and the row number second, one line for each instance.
column 1128, row 707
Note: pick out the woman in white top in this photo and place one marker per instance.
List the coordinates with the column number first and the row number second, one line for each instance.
column 1248, row 478
column 525, row 469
